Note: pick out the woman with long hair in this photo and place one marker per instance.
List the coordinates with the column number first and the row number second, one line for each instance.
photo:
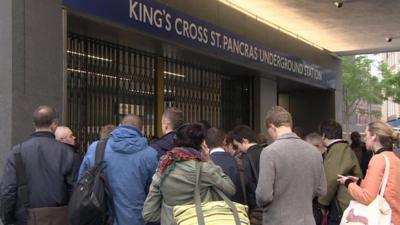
column 175, row 179
column 380, row 138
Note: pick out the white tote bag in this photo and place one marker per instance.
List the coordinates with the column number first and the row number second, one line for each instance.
column 378, row 212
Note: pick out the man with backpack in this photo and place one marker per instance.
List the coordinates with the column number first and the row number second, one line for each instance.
column 129, row 166
column 339, row 160
column 39, row 176
column 248, row 160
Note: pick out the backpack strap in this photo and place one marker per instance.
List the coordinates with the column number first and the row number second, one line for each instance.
column 99, row 159
column 100, row 149
column 253, row 168
column 22, row 183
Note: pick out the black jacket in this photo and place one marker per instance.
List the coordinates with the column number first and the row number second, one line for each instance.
column 164, row 144
column 253, row 154
column 228, row 165
column 51, row 169
column 251, row 162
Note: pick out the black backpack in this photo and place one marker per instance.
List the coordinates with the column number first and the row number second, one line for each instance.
column 92, row 202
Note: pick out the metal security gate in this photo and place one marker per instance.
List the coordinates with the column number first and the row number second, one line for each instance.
column 236, row 102
column 203, row 94
column 106, row 81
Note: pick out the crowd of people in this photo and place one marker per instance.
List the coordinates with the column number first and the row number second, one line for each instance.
column 294, row 179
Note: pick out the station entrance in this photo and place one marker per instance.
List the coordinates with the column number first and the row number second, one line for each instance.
column 308, row 105
column 106, row 81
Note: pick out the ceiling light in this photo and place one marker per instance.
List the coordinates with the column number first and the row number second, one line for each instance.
column 174, row 74
column 390, row 39
column 338, row 4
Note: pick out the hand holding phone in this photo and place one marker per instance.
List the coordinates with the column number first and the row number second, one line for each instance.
column 341, row 179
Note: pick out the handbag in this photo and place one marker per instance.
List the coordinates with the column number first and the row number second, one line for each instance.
column 378, row 212
column 214, row 212
column 36, row 216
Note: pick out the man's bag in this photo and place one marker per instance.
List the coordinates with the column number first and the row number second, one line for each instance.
column 214, row 212
column 36, row 216
column 378, row 212
column 48, row 216
column 91, row 202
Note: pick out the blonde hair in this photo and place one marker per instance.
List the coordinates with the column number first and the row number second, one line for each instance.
column 386, row 135
column 278, row 116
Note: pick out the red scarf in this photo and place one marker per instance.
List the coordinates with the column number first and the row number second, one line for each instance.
column 178, row 154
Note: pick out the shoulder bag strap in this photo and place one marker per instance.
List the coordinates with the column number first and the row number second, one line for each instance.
column 197, row 198
column 230, row 204
column 199, row 211
column 385, row 175
column 239, row 163
column 22, row 183
column 100, row 149
column 253, row 168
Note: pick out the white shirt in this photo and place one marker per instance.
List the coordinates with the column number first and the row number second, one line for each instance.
column 216, row 150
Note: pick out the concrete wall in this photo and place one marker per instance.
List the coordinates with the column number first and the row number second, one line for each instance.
column 31, row 59
column 265, row 98
column 6, row 79
column 339, row 95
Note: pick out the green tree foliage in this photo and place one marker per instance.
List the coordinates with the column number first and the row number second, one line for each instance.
column 358, row 85
column 390, row 83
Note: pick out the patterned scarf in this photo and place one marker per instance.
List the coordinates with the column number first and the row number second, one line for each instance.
column 177, row 154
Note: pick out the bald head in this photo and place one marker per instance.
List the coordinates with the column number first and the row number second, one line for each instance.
column 64, row 135
column 132, row 120
column 45, row 117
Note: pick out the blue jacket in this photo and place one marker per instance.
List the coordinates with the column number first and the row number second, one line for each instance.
column 130, row 165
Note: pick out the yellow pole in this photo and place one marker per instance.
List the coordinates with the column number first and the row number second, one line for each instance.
column 159, row 94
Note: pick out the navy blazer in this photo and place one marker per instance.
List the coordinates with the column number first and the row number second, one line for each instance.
column 228, row 165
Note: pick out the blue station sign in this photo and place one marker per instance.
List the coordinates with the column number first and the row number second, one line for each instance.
column 170, row 24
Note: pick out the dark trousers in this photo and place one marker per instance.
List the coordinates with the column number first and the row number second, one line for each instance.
column 335, row 214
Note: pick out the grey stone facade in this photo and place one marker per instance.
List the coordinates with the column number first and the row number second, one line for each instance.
column 31, row 59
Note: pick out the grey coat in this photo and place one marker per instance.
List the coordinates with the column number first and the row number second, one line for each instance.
column 291, row 175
